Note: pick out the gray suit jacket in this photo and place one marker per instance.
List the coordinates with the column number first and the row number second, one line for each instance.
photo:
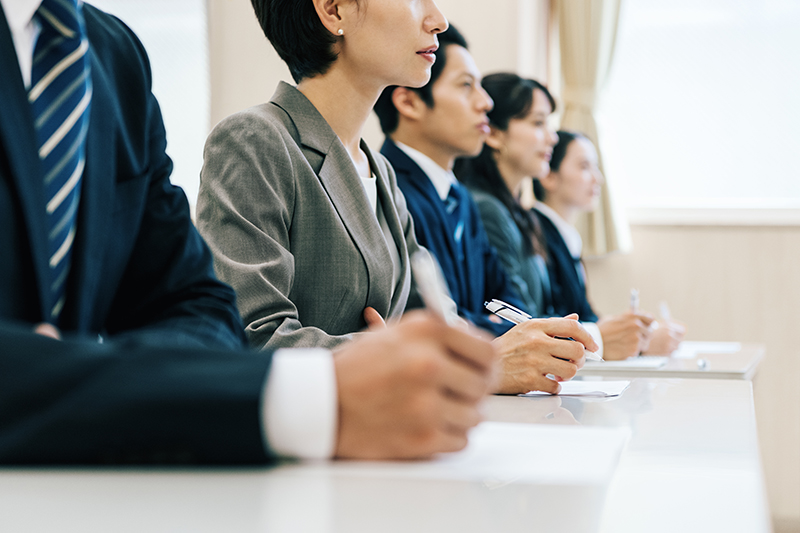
column 292, row 230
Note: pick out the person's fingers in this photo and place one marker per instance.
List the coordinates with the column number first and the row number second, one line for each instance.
column 465, row 345
column 678, row 328
column 47, row 330
column 645, row 318
column 464, row 382
column 373, row 318
column 457, row 417
column 566, row 349
column 450, row 441
column 645, row 335
column 563, row 369
column 546, row 384
column 564, row 327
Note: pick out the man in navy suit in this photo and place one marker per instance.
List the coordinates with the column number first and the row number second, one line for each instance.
column 427, row 129
column 135, row 352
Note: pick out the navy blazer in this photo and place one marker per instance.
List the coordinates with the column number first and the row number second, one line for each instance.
column 567, row 289
column 141, row 278
column 477, row 278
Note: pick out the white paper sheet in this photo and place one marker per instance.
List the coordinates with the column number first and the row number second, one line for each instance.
column 511, row 477
column 691, row 349
column 596, row 389
column 644, row 361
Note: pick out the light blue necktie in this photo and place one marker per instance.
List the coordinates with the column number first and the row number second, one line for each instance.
column 60, row 94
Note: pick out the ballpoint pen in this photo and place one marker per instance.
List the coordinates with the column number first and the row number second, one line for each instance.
column 634, row 301
column 663, row 310
column 432, row 287
column 517, row 316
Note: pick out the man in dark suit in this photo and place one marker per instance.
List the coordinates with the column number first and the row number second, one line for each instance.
column 427, row 129
column 117, row 342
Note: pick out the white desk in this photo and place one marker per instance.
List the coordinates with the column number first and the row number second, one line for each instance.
column 691, row 465
column 510, row 476
column 710, row 364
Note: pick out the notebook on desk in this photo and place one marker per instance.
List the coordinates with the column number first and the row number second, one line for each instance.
column 643, row 361
column 592, row 389
column 692, row 349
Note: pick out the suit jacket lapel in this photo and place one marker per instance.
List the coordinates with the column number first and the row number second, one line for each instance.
column 96, row 201
column 387, row 202
column 339, row 179
column 19, row 144
column 417, row 177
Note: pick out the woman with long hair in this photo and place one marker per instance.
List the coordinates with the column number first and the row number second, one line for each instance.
column 520, row 147
column 571, row 187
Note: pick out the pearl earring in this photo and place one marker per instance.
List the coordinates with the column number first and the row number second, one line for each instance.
column 340, row 32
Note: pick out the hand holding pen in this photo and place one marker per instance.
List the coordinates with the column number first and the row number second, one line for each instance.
column 667, row 335
column 537, row 348
column 518, row 316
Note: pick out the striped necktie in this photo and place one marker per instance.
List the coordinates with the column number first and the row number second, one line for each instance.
column 59, row 94
column 451, row 205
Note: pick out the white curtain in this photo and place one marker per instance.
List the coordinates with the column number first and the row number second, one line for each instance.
column 587, row 31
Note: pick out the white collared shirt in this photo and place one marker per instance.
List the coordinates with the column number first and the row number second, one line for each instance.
column 299, row 400
column 441, row 178
column 24, row 31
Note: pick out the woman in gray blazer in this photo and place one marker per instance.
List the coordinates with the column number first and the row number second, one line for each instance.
column 305, row 221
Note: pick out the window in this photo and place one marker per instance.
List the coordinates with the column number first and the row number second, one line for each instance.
column 701, row 108
column 174, row 34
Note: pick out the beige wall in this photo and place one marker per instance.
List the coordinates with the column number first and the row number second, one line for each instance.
column 726, row 283
column 245, row 69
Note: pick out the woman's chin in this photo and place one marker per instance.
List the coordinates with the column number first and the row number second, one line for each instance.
column 415, row 80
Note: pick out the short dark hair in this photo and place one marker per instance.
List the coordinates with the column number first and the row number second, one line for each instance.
column 513, row 99
column 565, row 138
column 384, row 107
column 298, row 35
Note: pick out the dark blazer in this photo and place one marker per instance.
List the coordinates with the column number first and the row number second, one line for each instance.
column 567, row 289
column 141, row 278
column 477, row 278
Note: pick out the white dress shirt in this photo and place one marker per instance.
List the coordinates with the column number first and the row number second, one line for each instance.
column 370, row 185
column 299, row 400
column 24, row 31
column 441, row 178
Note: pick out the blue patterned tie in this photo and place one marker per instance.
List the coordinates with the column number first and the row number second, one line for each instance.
column 451, row 204
column 59, row 94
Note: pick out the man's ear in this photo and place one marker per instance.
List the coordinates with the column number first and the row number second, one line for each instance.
column 408, row 103
column 496, row 139
column 550, row 181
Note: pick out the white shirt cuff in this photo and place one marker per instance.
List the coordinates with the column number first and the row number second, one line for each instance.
column 299, row 404
column 594, row 331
